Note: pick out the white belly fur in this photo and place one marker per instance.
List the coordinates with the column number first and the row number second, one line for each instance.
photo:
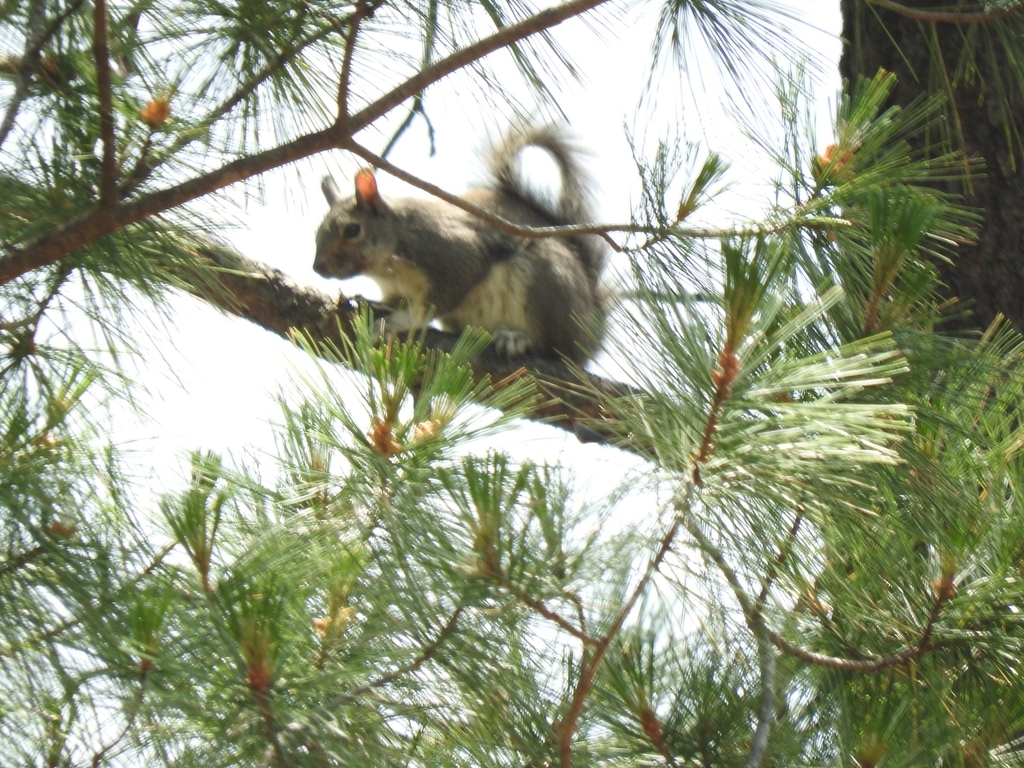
column 498, row 301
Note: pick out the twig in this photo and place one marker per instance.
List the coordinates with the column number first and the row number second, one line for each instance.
column 143, row 168
column 753, row 616
column 951, row 17
column 129, row 721
column 550, row 615
column 417, row 100
column 345, row 78
column 270, row 728
column 602, row 230
column 20, row 560
column 766, row 716
column 780, row 559
column 498, row 222
column 567, row 727
column 101, row 53
column 501, row 39
column 67, row 624
column 35, row 37
column 422, row 658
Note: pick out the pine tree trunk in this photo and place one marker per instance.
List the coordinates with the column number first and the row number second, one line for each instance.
column 989, row 275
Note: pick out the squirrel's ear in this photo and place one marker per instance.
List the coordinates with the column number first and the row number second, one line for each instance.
column 330, row 190
column 366, row 190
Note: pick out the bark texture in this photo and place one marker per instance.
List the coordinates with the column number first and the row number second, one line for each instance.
column 988, row 275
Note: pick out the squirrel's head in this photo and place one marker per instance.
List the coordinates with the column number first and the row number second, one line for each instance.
column 358, row 233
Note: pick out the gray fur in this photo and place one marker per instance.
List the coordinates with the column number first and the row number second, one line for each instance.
column 537, row 294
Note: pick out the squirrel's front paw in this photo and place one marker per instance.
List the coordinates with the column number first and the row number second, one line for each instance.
column 400, row 321
column 509, row 342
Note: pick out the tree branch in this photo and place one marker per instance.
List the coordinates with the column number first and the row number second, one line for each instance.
column 950, row 17
column 766, row 715
column 780, row 559
column 101, row 54
column 755, row 622
column 90, row 226
column 270, row 299
column 456, row 61
column 567, row 727
column 35, row 38
column 345, row 78
column 144, row 168
column 552, row 616
column 425, row 654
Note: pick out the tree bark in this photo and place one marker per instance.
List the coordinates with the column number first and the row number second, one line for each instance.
column 987, row 275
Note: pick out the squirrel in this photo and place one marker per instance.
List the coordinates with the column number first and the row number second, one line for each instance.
column 539, row 295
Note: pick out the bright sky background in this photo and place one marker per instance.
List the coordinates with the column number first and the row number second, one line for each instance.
column 211, row 379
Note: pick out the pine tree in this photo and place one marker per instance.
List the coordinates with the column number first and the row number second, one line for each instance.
column 820, row 564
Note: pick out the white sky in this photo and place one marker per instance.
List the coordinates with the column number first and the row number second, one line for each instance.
column 212, row 378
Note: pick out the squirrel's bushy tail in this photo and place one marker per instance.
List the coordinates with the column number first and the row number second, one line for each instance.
column 574, row 203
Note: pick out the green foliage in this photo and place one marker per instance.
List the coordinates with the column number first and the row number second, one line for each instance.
column 820, row 561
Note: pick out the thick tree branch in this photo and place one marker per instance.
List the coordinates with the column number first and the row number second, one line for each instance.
column 949, row 17
column 270, row 299
column 99, row 222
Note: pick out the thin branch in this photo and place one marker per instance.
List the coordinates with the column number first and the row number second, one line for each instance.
column 503, row 38
column 520, row 230
column 498, row 222
column 345, row 78
column 417, row 107
column 145, row 167
column 35, row 38
column 753, row 617
column 20, row 560
column 950, row 17
column 425, row 654
column 88, row 227
column 270, row 728
column 567, row 727
column 550, row 615
column 780, row 559
column 140, row 694
column 98, row 610
column 101, row 54
column 766, row 715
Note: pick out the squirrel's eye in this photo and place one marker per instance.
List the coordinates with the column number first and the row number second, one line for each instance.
column 351, row 231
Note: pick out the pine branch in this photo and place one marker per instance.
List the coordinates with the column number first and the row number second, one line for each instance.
column 426, row 653
column 101, row 221
column 756, row 623
column 145, row 166
column 35, row 38
column 591, row 663
column 766, row 715
column 656, row 233
column 555, row 618
column 345, row 79
column 780, row 559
